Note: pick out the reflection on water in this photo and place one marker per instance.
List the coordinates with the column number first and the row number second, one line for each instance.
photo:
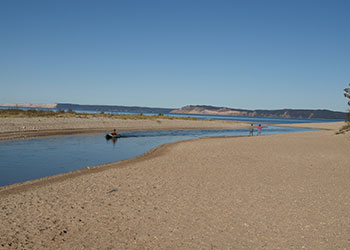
column 114, row 140
column 23, row 160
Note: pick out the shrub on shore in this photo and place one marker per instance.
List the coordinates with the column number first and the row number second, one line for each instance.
column 344, row 129
column 29, row 113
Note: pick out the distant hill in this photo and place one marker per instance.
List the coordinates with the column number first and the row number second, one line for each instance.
column 131, row 109
column 195, row 109
column 284, row 113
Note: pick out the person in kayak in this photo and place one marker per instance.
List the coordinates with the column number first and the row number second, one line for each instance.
column 115, row 132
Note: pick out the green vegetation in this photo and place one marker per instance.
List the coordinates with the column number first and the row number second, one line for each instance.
column 32, row 113
column 347, row 95
column 346, row 127
column 18, row 113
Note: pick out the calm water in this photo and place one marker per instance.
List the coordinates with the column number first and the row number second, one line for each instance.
column 28, row 159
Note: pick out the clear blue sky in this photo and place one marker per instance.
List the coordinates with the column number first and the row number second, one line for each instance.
column 240, row 54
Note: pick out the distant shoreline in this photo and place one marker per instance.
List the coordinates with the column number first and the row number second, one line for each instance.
column 196, row 109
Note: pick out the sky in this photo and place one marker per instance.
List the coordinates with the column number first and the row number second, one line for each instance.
column 248, row 54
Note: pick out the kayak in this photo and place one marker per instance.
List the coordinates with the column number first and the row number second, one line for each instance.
column 110, row 136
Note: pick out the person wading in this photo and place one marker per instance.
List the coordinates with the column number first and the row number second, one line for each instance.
column 251, row 130
column 259, row 129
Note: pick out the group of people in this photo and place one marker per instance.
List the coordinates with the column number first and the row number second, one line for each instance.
column 251, row 130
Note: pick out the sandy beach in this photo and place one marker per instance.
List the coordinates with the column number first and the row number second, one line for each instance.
column 334, row 126
column 288, row 191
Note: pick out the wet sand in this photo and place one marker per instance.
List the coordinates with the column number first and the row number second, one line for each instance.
column 287, row 191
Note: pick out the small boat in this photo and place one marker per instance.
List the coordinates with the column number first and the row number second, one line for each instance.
column 111, row 136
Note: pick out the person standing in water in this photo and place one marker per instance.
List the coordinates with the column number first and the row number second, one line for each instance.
column 259, row 129
column 251, row 130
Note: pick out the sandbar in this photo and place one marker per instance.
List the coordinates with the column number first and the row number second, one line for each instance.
column 21, row 128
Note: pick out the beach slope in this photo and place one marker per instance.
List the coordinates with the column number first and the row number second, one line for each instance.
column 288, row 191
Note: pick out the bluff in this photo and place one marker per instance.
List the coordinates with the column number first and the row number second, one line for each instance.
column 282, row 113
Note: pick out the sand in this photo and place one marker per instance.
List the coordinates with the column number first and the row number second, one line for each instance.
column 287, row 191
column 335, row 126
column 19, row 128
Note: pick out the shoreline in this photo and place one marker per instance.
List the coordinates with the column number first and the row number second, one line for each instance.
column 153, row 153
column 102, row 167
column 24, row 128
